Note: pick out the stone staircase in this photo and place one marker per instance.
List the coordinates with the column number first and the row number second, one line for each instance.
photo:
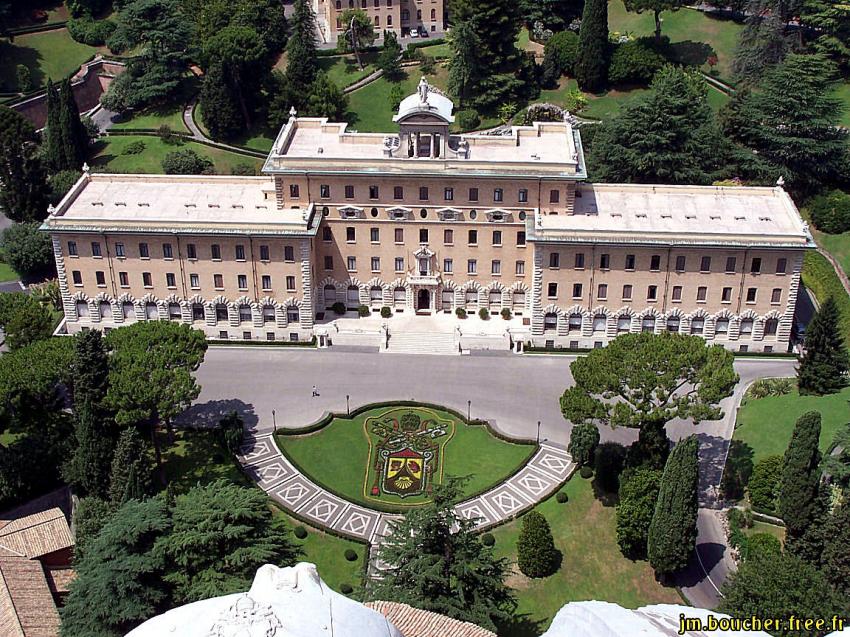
column 444, row 343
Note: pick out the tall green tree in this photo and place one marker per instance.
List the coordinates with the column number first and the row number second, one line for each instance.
column 302, row 62
column 835, row 559
column 130, row 475
column 358, row 33
column 554, row 15
column 24, row 320
column 389, row 61
column 464, row 63
column 52, row 134
column 763, row 42
column 831, row 19
column 638, row 497
column 24, row 193
column 119, row 579
column 656, row 7
column 591, row 67
column 28, row 250
column 583, row 441
column 792, row 122
column 439, row 564
column 669, row 135
column 74, row 138
column 825, row 363
column 219, row 104
column 221, row 534
column 800, row 506
column 672, row 534
column 536, row 552
column 326, row 100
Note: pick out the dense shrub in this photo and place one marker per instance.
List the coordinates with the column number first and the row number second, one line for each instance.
column 346, row 589
column 300, row 532
column 634, row 63
column 386, row 312
column 460, row 313
column 506, row 313
column 488, row 540
column 484, row 314
column 467, row 120
column 559, row 56
column 831, row 212
column 28, row 251
column 134, row 148
column 232, row 431
column 350, row 555
column 338, row 308
column 536, row 552
column 586, row 472
column 638, row 495
column 770, row 387
column 244, row 169
column 186, row 162
column 363, row 310
column 764, row 484
column 561, row 497
column 583, row 441
column 91, row 32
column 763, row 544
column 61, row 183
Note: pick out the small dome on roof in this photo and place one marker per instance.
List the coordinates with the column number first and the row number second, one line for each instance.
column 427, row 100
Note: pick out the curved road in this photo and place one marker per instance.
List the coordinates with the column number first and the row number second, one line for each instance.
column 272, row 387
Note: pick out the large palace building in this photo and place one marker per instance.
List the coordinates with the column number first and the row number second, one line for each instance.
column 426, row 221
column 400, row 16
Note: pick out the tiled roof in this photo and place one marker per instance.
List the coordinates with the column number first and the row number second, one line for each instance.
column 26, row 605
column 35, row 535
column 59, row 578
column 413, row 622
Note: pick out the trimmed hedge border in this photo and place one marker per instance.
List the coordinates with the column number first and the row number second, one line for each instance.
column 566, row 351
column 41, row 28
column 221, row 343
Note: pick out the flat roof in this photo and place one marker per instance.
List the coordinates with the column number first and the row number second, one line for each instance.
column 540, row 150
column 176, row 204
column 677, row 215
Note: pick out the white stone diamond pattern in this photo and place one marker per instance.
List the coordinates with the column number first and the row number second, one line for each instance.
column 271, row 474
column 474, row 511
column 559, row 465
column 256, row 449
column 324, row 509
column 295, row 492
column 506, row 502
column 533, row 484
column 358, row 522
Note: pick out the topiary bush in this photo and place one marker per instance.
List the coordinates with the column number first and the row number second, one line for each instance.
column 300, row 532
column 831, row 212
column 488, row 540
column 764, row 484
column 586, row 472
column 484, row 314
column 536, row 552
column 583, row 441
column 338, row 308
column 460, row 313
column 186, row 162
column 350, row 555
column 232, row 431
column 363, row 310
column 559, row 57
column 346, row 589
column 561, row 497
column 634, row 63
column 467, row 120
column 91, row 32
column 386, row 312
column 506, row 313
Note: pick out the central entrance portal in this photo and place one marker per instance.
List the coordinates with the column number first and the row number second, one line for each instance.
column 423, row 301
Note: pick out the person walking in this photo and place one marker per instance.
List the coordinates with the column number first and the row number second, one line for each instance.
column 315, row 391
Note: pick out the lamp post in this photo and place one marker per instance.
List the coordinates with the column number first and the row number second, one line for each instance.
column 274, row 420
column 538, row 432
column 468, row 410
column 347, row 408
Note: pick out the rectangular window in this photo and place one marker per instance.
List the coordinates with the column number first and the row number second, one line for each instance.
column 100, row 278
column 630, row 262
column 448, row 237
column 240, row 252
column 520, row 268
column 169, row 280
column 399, row 264
column 449, row 194
column 329, row 263
column 471, row 266
column 655, row 263
column 423, row 193
column 423, row 235
column 627, row 292
column 604, row 261
column 147, row 281
column 72, row 248
column 677, row 293
column 552, row 290
column 652, row 293
column 215, row 252
column 349, row 192
column 373, row 192
column 166, row 251
column 218, row 281
column 755, row 266
column 143, row 251
column 398, row 192
column 776, row 295
column 726, row 295
column 374, row 235
column 325, row 191
column 191, row 251
column 194, row 281
column 119, row 250
column 602, row 291
column 520, row 238
column 293, row 191
column 577, row 290
column 751, row 295
column 290, row 284
column 288, row 253
column 497, row 237
column 498, row 194
column 473, row 237
column 680, row 263
column 264, row 253
column 496, row 267
column 350, row 234
column 242, row 281
column 702, row 292
column 266, row 282
column 554, row 196
column 376, row 264
column 95, row 249
column 522, row 195
column 554, row 260
column 781, row 265
column 579, row 261
column 448, row 266
column 731, row 264
column 399, row 235
column 705, row 264
column 327, row 234
column 77, row 277
column 473, row 194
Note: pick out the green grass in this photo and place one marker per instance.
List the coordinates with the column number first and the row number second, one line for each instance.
column 592, row 566
column 766, row 424
column 338, row 456
column 694, row 35
column 343, row 71
column 171, row 115
column 763, row 527
column 7, row 273
column 820, row 278
column 109, row 155
column 842, row 92
column 8, row 437
column 838, row 245
column 52, row 54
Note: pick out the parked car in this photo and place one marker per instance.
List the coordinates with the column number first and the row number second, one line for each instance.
column 414, row 33
column 423, row 32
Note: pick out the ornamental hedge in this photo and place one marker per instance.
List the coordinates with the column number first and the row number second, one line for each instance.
column 536, row 552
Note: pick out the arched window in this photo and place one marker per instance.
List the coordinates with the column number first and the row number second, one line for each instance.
column 220, row 312
column 268, row 314
column 721, row 326
column 673, row 323
column 128, row 310
column 599, row 322
column 697, row 325
column 151, row 311
column 377, row 21
column 550, row 321
column 470, row 298
column 376, row 294
column 448, row 299
column 82, row 308
column 399, row 296
column 244, row 313
column 174, row 312
column 389, row 17
column 574, row 324
column 624, row 323
column 518, row 300
column 105, row 309
column 433, row 14
column 647, row 324
column 292, row 315
column 330, row 295
column 771, row 326
column 495, row 298
column 352, row 296
column 746, row 327
column 197, row 311
column 338, row 5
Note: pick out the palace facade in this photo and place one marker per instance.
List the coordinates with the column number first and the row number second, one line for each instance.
column 399, row 16
column 427, row 221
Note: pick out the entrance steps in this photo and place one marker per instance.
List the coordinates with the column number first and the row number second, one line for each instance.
column 444, row 343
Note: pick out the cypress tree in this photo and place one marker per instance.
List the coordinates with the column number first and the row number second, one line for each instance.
column 131, row 468
column 302, row 63
column 825, row 363
column 800, row 501
column 638, row 497
column 24, row 193
column 53, row 132
column 74, row 141
column 536, row 552
column 220, row 104
column 835, row 560
column 673, row 531
column 591, row 67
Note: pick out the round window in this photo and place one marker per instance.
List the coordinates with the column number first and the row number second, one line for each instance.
column 522, row 215
column 423, row 213
column 374, row 212
column 325, row 211
column 473, row 214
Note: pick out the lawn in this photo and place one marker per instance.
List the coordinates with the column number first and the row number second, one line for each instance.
column 592, row 566
column 766, row 424
column 51, row 54
column 258, row 137
column 694, row 35
column 109, row 155
column 343, row 71
column 842, row 92
column 153, row 118
column 820, row 278
column 373, row 112
column 763, row 527
column 7, row 273
column 343, row 456
column 838, row 245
